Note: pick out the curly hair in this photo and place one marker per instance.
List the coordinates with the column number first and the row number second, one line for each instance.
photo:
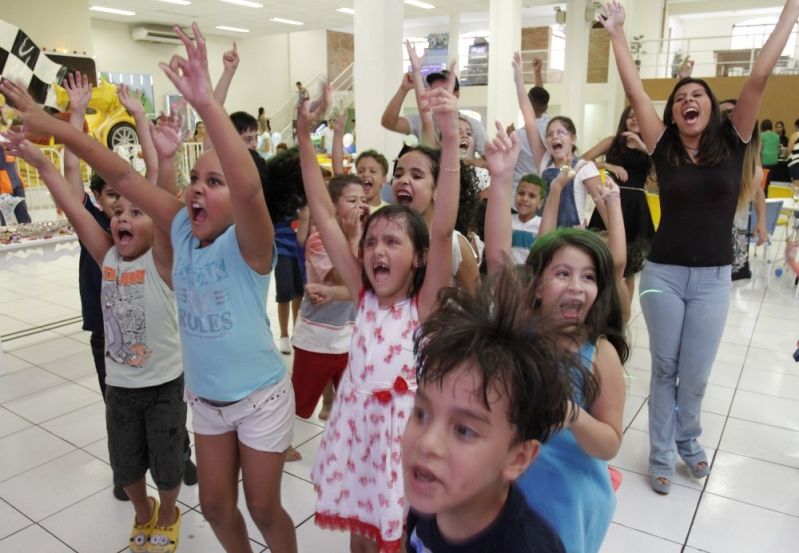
column 281, row 179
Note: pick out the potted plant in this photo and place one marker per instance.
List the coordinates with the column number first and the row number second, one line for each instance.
column 636, row 45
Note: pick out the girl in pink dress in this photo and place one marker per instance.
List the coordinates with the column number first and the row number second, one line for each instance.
column 395, row 276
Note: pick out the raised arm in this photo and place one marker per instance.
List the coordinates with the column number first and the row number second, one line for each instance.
column 132, row 103
column 167, row 139
column 530, row 127
column 599, row 430
column 617, row 241
column 612, row 18
column 599, row 149
column 746, row 110
column 79, row 91
column 93, row 236
column 549, row 217
column 337, row 153
column 538, row 76
column 392, row 120
column 501, row 155
column 444, row 105
column 254, row 231
column 428, row 130
column 322, row 209
column 159, row 205
column 230, row 61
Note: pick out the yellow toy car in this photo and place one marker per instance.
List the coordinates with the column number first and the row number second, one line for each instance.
column 108, row 120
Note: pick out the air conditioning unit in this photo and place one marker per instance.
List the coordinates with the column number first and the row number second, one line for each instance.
column 155, row 34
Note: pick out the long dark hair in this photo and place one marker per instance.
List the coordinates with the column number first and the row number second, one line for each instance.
column 605, row 316
column 417, row 231
column 618, row 148
column 469, row 195
column 713, row 145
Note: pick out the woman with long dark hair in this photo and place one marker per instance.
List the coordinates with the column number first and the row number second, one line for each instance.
column 685, row 285
column 626, row 157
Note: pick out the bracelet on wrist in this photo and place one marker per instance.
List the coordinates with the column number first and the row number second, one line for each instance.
column 448, row 170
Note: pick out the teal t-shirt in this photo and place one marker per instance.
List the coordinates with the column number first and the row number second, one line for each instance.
column 227, row 343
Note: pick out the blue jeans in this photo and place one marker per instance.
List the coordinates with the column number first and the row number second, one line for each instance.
column 685, row 309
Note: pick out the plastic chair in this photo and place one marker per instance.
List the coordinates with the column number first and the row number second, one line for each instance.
column 773, row 208
column 653, row 200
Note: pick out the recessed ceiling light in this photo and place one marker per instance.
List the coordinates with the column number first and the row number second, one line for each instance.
column 178, row 2
column 348, row 11
column 245, row 3
column 418, row 4
column 234, row 29
column 111, row 10
column 286, row 21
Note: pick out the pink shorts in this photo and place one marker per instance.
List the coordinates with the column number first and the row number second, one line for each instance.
column 264, row 420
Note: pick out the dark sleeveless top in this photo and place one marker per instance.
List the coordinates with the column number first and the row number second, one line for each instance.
column 697, row 205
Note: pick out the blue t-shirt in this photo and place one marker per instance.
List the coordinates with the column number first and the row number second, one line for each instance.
column 228, row 348
column 285, row 238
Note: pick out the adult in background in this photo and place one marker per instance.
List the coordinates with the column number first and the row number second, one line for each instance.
column 412, row 123
column 685, row 285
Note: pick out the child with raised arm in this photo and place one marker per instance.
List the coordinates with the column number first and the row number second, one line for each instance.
column 685, row 284
column 574, row 288
column 236, row 383
column 490, row 392
column 556, row 153
column 396, row 276
column 145, row 411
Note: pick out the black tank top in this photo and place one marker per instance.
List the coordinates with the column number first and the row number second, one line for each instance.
column 697, row 205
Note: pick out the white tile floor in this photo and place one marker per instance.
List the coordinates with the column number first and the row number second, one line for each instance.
column 55, row 482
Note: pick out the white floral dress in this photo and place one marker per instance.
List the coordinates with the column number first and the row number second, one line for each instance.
column 357, row 473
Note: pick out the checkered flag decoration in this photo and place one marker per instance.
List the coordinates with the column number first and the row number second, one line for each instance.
column 23, row 62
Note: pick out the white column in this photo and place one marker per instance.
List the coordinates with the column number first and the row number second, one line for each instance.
column 504, row 22
column 454, row 35
column 576, row 64
column 377, row 71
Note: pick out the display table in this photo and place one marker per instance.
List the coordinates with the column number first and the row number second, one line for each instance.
column 44, row 249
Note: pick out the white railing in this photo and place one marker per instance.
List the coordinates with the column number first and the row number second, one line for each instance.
column 713, row 57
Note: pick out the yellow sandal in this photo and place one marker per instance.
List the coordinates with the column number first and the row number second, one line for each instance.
column 164, row 539
column 140, row 534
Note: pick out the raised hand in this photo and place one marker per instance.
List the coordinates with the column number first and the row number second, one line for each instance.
column 407, row 83
column 131, row 100
column 611, row 16
column 416, row 61
column 309, row 112
column 19, row 146
column 501, row 153
column 168, row 136
column 518, row 67
column 686, row 68
column 444, row 105
column 538, row 64
column 339, row 120
column 352, row 224
column 230, row 59
column 79, row 91
column 35, row 119
column 190, row 74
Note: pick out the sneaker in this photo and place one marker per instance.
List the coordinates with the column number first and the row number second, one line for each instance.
column 285, row 345
column 140, row 534
column 189, row 473
column 119, row 493
column 164, row 539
